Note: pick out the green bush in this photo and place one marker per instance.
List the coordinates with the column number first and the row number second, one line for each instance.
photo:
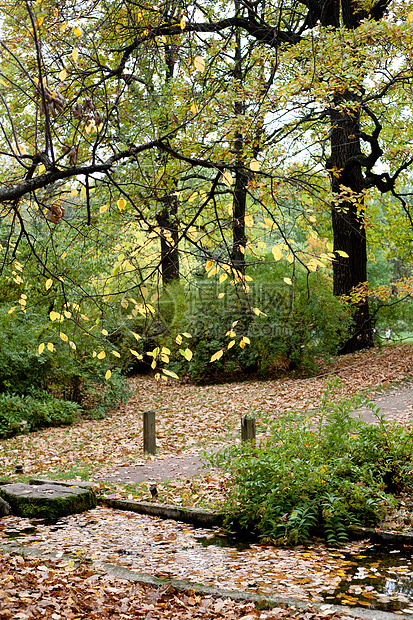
column 70, row 375
column 302, row 477
column 296, row 327
column 34, row 411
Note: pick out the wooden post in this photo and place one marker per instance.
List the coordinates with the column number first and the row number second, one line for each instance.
column 149, row 432
column 247, row 429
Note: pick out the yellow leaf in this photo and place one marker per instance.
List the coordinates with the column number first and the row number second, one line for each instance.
column 231, row 344
column 121, row 204
column 221, row 295
column 12, row 310
column 63, row 75
column 249, row 221
column 124, row 303
column 227, row 178
column 42, row 168
column 277, row 252
column 242, row 344
column 246, row 340
column 115, row 353
column 186, row 334
column 199, row 63
column 254, row 165
column 77, row 32
column 41, row 348
column 136, row 335
column 178, row 339
column 208, row 265
column 188, row 354
column 217, row 356
column 410, row 18
column 223, row 277
column 213, row 271
column 341, row 253
column 163, row 39
column 50, row 346
column 182, row 23
column 290, row 258
column 104, row 332
column 108, row 375
column 101, row 355
column 72, row 345
column 94, row 354
column 103, row 208
column 54, row 316
column 136, row 354
column 75, row 54
column 63, row 337
column 288, row 281
column 169, row 373
column 194, row 108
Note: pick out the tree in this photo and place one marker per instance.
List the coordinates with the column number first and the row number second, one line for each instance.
column 309, row 77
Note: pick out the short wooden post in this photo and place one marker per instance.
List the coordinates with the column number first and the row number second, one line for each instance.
column 149, row 432
column 247, row 429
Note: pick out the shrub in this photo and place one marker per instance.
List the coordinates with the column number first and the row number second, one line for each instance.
column 71, row 375
column 34, row 411
column 296, row 325
column 301, row 477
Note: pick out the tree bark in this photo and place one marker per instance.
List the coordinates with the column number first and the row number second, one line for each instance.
column 347, row 183
column 169, row 224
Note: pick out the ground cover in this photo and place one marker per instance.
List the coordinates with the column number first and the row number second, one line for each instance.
column 57, row 589
column 188, row 418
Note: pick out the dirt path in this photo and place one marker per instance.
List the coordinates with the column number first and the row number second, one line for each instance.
column 396, row 405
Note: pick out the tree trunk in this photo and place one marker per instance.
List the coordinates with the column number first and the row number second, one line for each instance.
column 347, row 183
column 168, row 222
column 239, row 203
column 347, row 178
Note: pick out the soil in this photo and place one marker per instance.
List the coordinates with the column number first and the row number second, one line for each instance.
column 396, row 405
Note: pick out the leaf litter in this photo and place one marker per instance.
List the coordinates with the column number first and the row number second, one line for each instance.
column 188, row 417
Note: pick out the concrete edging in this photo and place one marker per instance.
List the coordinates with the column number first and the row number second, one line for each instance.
column 195, row 516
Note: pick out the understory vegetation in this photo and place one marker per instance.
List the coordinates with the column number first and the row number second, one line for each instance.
column 304, row 477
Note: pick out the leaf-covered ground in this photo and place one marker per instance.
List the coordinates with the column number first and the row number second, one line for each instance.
column 315, row 573
column 189, row 416
column 54, row 590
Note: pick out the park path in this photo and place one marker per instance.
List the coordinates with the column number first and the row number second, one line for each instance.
column 396, row 405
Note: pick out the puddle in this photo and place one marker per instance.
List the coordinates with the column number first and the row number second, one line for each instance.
column 356, row 574
column 379, row 578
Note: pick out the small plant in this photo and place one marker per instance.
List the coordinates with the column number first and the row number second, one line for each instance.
column 305, row 476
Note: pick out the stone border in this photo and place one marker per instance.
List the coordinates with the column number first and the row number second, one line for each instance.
column 195, row 516
column 236, row 595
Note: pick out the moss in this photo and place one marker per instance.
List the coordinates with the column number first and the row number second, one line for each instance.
column 48, row 501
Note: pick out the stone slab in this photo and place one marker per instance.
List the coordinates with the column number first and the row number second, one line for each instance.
column 49, row 501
